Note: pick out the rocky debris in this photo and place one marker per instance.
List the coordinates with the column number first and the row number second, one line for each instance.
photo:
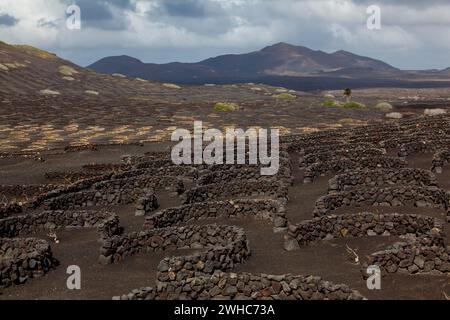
column 146, row 204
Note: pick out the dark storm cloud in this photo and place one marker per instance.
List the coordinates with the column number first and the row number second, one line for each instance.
column 198, row 17
column 189, row 8
column 7, row 20
column 100, row 13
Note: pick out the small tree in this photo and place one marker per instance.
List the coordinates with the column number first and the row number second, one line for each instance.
column 348, row 94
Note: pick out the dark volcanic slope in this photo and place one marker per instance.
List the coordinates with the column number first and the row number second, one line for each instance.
column 281, row 59
column 25, row 70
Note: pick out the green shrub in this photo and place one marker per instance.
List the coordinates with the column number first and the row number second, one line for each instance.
column 286, row 96
column 353, row 105
column 330, row 103
column 226, row 106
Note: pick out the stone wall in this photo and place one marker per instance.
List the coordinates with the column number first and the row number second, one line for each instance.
column 21, row 259
column 96, row 170
column 250, row 188
column 114, row 192
column 380, row 178
column 389, row 196
column 245, row 286
column 146, row 204
column 108, row 226
column 337, row 144
column 388, row 135
column 422, row 146
column 222, row 247
column 348, row 152
column 89, row 183
column 440, row 159
column 266, row 209
column 232, row 175
column 339, row 165
column 47, row 220
column 413, row 138
column 10, row 209
column 72, row 188
column 426, row 254
column 92, row 198
column 356, row 225
column 168, row 169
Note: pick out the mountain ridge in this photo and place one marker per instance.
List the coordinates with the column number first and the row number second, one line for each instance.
column 280, row 59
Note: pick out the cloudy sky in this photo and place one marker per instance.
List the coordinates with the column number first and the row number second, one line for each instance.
column 414, row 34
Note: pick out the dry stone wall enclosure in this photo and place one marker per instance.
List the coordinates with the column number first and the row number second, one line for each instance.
column 356, row 225
column 387, row 196
column 177, row 205
column 264, row 209
column 380, row 178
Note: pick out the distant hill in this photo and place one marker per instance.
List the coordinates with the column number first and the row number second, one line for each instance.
column 281, row 59
column 281, row 64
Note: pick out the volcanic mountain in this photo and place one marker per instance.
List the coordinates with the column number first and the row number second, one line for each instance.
column 281, row 59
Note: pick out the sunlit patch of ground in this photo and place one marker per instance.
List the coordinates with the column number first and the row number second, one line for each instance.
column 282, row 130
column 73, row 127
column 36, row 52
column 308, row 130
